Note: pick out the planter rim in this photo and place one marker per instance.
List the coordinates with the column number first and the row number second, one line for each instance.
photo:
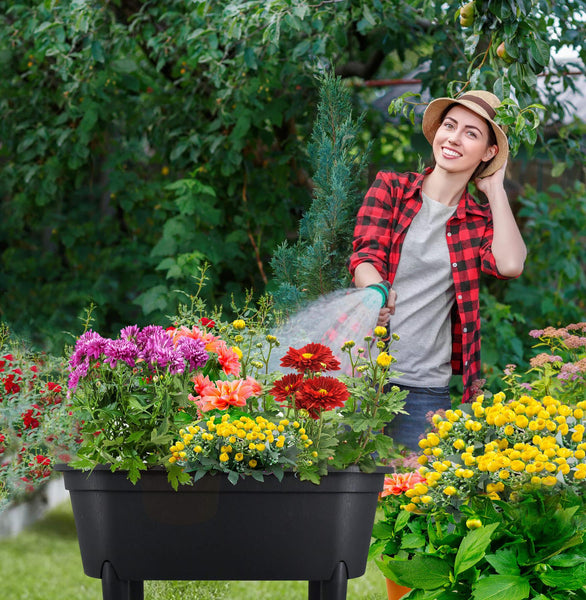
column 155, row 480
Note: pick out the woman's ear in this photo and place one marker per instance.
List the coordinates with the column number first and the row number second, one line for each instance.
column 490, row 153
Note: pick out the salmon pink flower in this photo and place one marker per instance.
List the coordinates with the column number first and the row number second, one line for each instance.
column 228, row 359
column 397, row 483
column 225, row 394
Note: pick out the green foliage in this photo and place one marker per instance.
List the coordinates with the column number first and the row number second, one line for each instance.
column 521, row 550
column 551, row 289
column 141, row 140
column 36, row 430
column 317, row 262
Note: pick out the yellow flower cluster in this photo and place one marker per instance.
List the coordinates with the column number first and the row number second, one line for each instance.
column 499, row 447
column 238, row 443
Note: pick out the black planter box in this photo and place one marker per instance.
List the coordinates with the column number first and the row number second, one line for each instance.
column 213, row 530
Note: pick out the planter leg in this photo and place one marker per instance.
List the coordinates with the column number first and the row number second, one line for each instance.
column 119, row 589
column 331, row 589
column 314, row 590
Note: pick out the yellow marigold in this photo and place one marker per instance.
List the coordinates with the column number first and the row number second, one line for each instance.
column 422, row 459
column 239, row 457
column 433, row 439
column 450, row 490
column 498, row 398
column 239, row 324
column 420, row 488
column 504, row 474
column 459, row 444
column 384, row 359
column 518, row 466
column 521, row 421
column 252, row 463
column 224, row 457
column 380, row 331
column 172, row 459
column 197, row 449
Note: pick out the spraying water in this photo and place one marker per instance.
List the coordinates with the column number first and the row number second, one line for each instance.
column 337, row 317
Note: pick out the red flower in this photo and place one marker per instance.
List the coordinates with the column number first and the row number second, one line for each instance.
column 320, row 394
column 312, row 357
column 207, row 322
column 30, row 417
column 284, row 389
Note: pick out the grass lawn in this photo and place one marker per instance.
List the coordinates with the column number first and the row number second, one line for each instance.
column 43, row 563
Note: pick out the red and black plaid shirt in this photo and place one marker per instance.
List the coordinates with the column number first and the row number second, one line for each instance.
column 382, row 222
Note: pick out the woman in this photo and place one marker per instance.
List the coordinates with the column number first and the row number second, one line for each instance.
column 424, row 235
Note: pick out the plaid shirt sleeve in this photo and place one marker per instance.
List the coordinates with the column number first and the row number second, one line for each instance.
column 384, row 216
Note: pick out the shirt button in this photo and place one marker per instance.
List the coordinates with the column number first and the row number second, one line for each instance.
column 454, row 264
column 465, row 330
column 466, row 363
column 449, row 234
column 459, row 296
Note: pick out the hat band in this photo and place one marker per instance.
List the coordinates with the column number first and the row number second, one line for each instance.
column 482, row 103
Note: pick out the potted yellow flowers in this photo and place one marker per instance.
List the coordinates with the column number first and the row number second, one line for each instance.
column 499, row 511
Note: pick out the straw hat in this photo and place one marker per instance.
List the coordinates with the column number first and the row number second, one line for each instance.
column 483, row 104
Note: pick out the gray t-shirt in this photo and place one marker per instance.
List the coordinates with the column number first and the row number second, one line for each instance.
column 425, row 296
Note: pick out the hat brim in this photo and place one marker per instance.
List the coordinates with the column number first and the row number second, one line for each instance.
column 431, row 123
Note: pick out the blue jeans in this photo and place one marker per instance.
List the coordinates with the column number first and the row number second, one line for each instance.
column 409, row 429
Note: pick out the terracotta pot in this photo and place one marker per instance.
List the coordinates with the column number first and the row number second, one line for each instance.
column 396, row 591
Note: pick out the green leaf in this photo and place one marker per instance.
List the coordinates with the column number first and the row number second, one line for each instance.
column 426, row 572
column 565, row 579
column 124, row 65
column 497, row 587
column 473, row 547
column 97, row 51
column 504, row 561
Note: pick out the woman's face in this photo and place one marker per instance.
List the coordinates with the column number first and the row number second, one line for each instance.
column 462, row 141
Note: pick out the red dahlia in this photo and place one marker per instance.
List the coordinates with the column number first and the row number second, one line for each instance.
column 285, row 388
column 312, row 357
column 321, row 394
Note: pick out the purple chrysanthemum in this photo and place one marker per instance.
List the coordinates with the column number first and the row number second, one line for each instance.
column 90, row 345
column 130, row 332
column 121, row 349
column 193, row 352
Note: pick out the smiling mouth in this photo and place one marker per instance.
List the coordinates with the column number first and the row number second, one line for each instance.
column 450, row 153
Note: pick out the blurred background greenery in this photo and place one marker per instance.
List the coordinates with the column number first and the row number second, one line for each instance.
column 140, row 140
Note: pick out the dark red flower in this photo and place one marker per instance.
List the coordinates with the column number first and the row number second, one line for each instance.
column 284, row 389
column 312, row 357
column 207, row 322
column 30, row 418
column 321, row 394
